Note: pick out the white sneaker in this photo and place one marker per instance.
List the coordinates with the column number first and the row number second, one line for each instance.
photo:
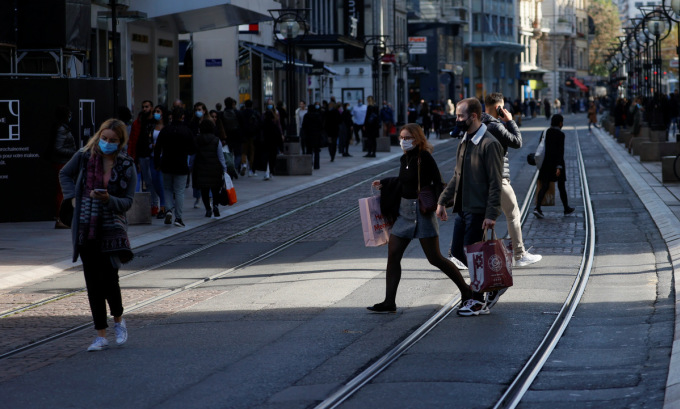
column 458, row 263
column 100, row 343
column 527, row 259
column 266, row 176
column 121, row 332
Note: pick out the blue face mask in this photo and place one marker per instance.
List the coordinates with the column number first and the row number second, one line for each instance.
column 316, row 106
column 270, row 106
column 107, row 148
column 199, row 114
column 157, row 116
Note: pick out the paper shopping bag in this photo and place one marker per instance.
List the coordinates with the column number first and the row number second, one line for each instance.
column 490, row 264
column 549, row 198
column 231, row 192
column 227, row 193
column 376, row 229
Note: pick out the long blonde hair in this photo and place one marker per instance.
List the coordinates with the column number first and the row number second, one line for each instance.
column 419, row 139
column 117, row 126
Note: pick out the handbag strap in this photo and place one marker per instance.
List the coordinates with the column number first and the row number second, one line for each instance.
column 493, row 234
column 419, row 172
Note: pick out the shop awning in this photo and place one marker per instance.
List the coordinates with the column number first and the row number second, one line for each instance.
column 192, row 17
column 273, row 54
column 579, row 84
column 330, row 70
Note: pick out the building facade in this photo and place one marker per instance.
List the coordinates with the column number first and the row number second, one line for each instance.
column 492, row 48
column 564, row 50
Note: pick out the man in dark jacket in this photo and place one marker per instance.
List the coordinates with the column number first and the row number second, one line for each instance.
column 475, row 189
column 171, row 156
column 553, row 168
column 509, row 136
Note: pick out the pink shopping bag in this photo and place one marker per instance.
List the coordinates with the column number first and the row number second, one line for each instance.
column 376, row 229
column 490, row 264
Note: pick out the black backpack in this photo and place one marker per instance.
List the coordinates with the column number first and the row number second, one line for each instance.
column 230, row 120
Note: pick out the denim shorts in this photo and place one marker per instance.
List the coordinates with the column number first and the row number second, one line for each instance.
column 411, row 224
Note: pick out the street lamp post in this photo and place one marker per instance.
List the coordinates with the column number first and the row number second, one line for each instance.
column 675, row 7
column 377, row 45
column 290, row 27
column 402, row 61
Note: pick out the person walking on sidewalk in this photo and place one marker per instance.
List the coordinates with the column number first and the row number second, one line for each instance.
column 508, row 134
column 209, row 166
column 358, row 118
column 171, row 155
column 345, row 129
column 475, row 190
column 312, row 129
column 251, row 124
column 553, row 168
column 100, row 180
column 592, row 116
column 371, row 129
column 399, row 203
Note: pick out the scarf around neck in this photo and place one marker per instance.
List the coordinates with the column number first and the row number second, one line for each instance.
column 97, row 223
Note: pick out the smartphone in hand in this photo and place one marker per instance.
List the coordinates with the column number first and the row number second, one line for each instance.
column 100, row 190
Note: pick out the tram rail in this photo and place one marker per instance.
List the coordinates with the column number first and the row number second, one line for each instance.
column 198, row 282
column 521, row 383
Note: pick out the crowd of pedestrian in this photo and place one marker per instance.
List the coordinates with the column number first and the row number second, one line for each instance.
column 164, row 151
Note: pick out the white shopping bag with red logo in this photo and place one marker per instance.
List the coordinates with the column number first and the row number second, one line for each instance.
column 376, row 229
column 489, row 264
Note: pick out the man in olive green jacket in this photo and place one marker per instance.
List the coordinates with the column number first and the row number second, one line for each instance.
column 475, row 190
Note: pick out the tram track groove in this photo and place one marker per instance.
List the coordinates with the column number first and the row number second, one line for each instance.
column 177, row 290
column 521, row 383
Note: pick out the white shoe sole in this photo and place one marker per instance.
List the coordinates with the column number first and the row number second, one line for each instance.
column 527, row 263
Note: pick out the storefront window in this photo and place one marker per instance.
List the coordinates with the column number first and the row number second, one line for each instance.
column 244, row 72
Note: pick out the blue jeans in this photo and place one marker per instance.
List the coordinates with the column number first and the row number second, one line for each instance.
column 157, row 178
column 467, row 229
column 173, row 187
column 146, row 170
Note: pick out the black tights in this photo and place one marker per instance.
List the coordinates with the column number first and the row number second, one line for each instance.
column 205, row 195
column 430, row 245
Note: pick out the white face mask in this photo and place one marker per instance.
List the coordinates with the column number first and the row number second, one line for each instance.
column 406, row 144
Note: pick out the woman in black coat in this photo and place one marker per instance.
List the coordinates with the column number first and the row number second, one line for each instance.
column 345, row 129
column 399, row 204
column 372, row 130
column 312, row 128
column 332, row 127
column 553, row 168
column 272, row 143
column 209, row 165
